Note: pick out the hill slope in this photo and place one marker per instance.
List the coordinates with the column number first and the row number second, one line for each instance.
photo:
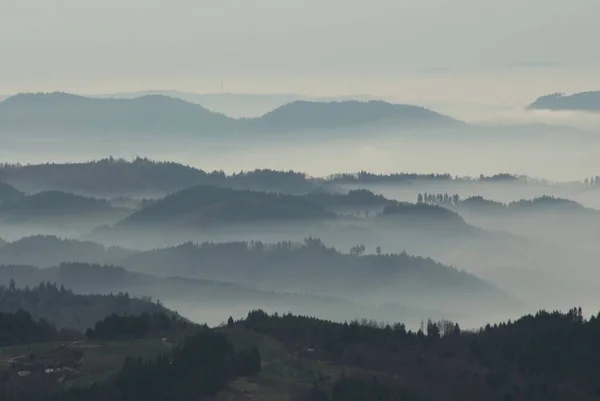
column 204, row 205
column 47, row 251
column 200, row 300
column 549, row 356
column 543, row 203
column 8, row 192
column 315, row 269
column 142, row 177
column 53, row 205
column 235, row 104
column 66, row 309
column 73, row 114
column 304, row 115
column 584, row 101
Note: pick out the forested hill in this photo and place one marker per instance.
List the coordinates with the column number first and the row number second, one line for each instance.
column 52, row 205
column 69, row 114
column 584, row 101
column 48, row 250
column 481, row 204
column 112, row 177
column 541, row 357
column 204, row 205
column 546, row 356
column 210, row 206
column 8, row 192
column 313, row 268
column 20, row 328
column 424, row 215
column 199, row 299
column 66, row 309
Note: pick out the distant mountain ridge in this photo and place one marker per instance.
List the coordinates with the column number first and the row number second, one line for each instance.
column 237, row 105
column 305, row 115
column 583, row 101
column 72, row 113
column 143, row 177
column 163, row 115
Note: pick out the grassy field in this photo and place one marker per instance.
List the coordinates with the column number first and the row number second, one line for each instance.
column 8, row 353
column 284, row 376
column 100, row 360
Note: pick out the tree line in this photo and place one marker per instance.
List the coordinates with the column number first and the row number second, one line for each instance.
column 545, row 356
column 438, row 199
column 67, row 309
column 366, row 177
column 20, row 328
column 146, row 325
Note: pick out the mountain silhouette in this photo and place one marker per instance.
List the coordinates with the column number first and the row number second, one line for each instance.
column 305, row 115
column 49, row 250
column 235, row 104
column 157, row 114
column 207, row 204
column 584, row 101
column 52, row 204
column 72, row 113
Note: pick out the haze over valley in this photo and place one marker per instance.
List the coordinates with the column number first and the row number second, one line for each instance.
column 301, row 201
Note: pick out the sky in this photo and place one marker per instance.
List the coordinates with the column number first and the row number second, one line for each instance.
column 471, row 51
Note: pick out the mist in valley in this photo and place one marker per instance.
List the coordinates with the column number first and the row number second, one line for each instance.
column 354, row 184
column 503, row 260
column 307, row 200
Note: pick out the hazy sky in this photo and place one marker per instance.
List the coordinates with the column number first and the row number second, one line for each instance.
column 402, row 48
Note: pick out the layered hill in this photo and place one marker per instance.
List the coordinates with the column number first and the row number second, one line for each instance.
column 50, row 205
column 304, row 115
column 235, row 104
column 206, row 205
column 8, row 192
column 540, row 204
column 142, row 177
column 48, row 250
column 422, row 216
column 558, row 220
column 64, row 308
column 69, row 114
column 209, row 205
column 200, row 300
column 308, row 268
column 313, row 268
column 208, row 213
column 584, row 101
